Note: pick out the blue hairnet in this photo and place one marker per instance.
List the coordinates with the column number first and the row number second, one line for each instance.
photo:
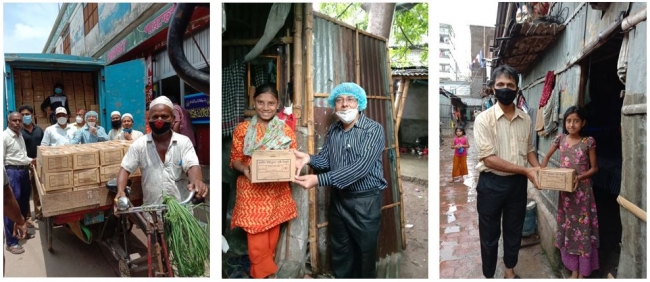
column 91, row 113
column 351, row 89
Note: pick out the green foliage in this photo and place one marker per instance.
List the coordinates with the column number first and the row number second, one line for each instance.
column 409, row 31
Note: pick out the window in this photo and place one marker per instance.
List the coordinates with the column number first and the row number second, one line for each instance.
column 445, row 53
column 445, row 68
column 66, row 44
column 90, row 17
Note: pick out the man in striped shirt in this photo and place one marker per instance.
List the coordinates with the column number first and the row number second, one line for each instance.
column 350, row 162
column 503, row 135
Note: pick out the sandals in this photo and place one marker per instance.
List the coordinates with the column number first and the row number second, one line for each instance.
column 16, row 249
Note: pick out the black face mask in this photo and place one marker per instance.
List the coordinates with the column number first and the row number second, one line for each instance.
column 160, row 127
column 505, row 96
column 116, row 124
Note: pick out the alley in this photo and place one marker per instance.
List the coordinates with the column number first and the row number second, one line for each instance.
column 460, row 253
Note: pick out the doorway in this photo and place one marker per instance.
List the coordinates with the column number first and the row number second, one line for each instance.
column 603, row 101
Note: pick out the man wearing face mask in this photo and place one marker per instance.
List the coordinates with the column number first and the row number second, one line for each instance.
column 59, row 133
column 58, row 99
column 116, row 125
column 350, row 162
column 91, row 132
column 167, row 160
column 79, row 120
column 503, row 136
column 33, row 136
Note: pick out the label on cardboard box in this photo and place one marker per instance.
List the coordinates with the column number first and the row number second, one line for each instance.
column 85, row 177
column 57, row 180
column 559, row 179
column 273, row 166
column 52, row 159
column 84, row 156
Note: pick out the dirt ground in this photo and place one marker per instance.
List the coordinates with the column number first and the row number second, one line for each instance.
column 415, row 259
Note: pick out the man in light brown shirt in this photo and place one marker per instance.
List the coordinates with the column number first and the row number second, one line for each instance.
column 503, row 136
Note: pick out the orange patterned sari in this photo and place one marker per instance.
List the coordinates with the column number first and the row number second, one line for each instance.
column 260, row 206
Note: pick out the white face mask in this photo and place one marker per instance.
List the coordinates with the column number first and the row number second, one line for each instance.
column 91, row 123
column 62, row 120
column 348, row 115
column 79, row 119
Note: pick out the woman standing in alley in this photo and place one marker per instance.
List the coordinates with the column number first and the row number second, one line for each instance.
column 460, row 147
column 577, row 221
column 260, row 208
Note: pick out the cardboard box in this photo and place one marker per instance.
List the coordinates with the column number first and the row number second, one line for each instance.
column 53, row 159
column 273, row 166
column 57, row 180
column 59, row 191
column 559, row 179
column 84, row 177
column 110, row 155
column 28, row 95
column 84, row 156
column 87, row 79
column 109, row 172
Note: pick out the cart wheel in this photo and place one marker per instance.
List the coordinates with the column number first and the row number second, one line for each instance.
column 124, row 268
column 48, row 232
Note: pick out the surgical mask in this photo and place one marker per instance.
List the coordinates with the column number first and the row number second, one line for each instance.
column 116, row 124
column 159, row 127
column 127, row 130
column 505, row 96
column 27, row 120
column 348, row 115
column 91, row 123
column 79, row 119
column 62, row 120
column 58, row 91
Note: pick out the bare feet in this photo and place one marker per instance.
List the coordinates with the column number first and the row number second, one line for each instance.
column 509, row 273
column 574, row 275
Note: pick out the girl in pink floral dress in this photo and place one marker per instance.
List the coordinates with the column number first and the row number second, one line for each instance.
column 577, row 221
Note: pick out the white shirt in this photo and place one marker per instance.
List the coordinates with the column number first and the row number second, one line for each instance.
column 169, row 177
column 15, row 151
column 114, row 133
column 135, row 134
column 54, row 135
column 75, row 126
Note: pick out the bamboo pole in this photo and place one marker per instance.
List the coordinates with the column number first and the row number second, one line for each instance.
column 309, row 89
column 402, row 101
column 297, row 63
column 358, row 59
column 397, row 162
column 632, row 208
column 400, row 89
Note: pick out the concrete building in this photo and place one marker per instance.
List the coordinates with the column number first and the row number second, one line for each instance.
column 481, row 37
column 448, row 69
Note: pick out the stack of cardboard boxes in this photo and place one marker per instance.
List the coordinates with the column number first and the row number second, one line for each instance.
column 86, row 167
column 33, row 87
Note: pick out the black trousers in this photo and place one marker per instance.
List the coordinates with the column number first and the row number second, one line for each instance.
column 497, row 196
column 354, row 231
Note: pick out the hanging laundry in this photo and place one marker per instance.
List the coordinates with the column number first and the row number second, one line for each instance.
column 287, row 116
column 549, row 84
column 233, row 96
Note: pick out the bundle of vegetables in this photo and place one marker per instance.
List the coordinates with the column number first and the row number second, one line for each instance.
column 187, row 241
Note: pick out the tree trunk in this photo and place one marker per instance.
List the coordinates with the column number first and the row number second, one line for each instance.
column 380, row 18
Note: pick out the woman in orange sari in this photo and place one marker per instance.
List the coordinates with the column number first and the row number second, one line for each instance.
column 260, row 208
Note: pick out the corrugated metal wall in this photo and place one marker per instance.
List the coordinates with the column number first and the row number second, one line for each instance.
column 633, row 260
column 334, row 54
column 445, row 116
column 162, row 67
column 583, row 29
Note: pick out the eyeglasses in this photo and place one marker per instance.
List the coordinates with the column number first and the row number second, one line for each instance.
column 349, row 100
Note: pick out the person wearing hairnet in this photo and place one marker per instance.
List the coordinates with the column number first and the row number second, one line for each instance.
column 350, row 162
column 91, row 132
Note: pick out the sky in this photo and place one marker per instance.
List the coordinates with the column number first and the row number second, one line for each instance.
column 27, row 26
column 462, row 14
